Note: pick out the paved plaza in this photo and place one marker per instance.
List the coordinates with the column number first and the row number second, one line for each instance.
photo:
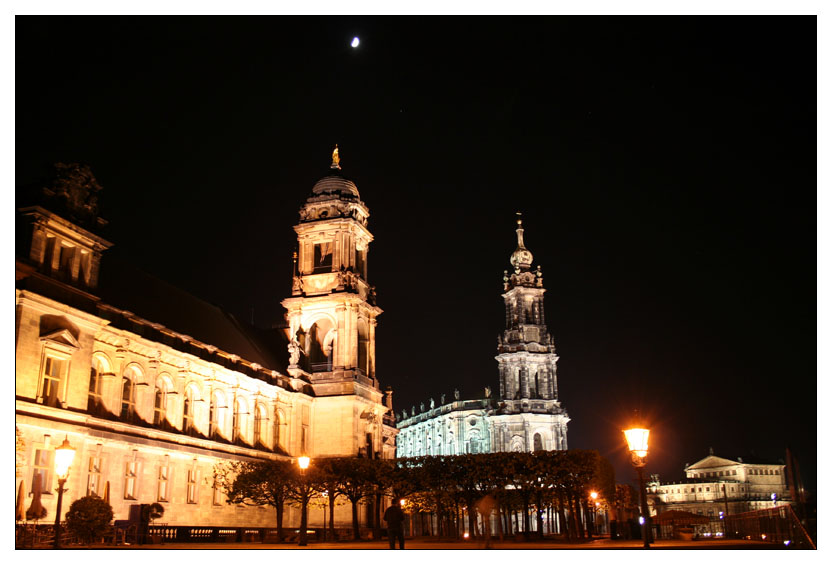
column 424, row 544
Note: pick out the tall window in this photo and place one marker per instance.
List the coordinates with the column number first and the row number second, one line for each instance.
column 160, row 404
column 259, row 422
column 538, row 442
column 162, row 482
column 94, row 477
column 214, row 416
column 128, row 397
column 217, row 495
column 188, row 412
column 192, row 486
column 97, row 371
column 42, row 469
column 130, row 479
column 65, row 261
column 236, row 421
column 363, row 347
column 322, row 257
column 54, row 371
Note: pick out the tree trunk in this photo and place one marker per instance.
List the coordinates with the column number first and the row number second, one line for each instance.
column 279, row 511
column 377, row 516
column 472, row 520
column 356, row 532
column 527, row 525
column 498, row 506
column 539, row 504
column 579, row 526
column 562, row 516
column 332, row 518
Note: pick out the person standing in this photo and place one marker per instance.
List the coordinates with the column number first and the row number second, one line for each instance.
column 395, row 525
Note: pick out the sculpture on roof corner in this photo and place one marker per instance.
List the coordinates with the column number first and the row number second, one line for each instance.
column 336, row 160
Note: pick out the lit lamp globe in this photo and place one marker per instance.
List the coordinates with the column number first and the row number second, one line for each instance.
column 64, row 454
column 63, row 459
column 637, row 442
column 303, row 462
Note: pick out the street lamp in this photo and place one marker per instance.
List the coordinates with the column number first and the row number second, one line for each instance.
column 637, row 444
column 63, row 461
column 594, row 510
column 774, row 499
column 303, row 463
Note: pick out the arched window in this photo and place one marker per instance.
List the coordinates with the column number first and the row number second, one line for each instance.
column 160, row 404
column 97, row 370
column 363, row 347
column 278, row 422
column 538, row 442
column 128, row 393
column 188, row 411
column 215, row 415
column 259, row 424
column 238, row 420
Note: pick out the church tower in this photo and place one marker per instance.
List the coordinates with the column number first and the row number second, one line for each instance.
column 526, row 352
column 332, row 311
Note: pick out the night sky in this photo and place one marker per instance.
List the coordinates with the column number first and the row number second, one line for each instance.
column 665, row 167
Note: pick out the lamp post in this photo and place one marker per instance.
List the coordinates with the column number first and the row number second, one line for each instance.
column 303, row 463
column 63, row 461
column 325, row 496
column 637, row 444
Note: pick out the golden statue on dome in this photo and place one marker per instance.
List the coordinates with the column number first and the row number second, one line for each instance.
column 336, row 160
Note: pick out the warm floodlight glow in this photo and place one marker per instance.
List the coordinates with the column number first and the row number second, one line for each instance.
column 303, row 462
column 355, row 42
column 402, row 502
column 63, row 459
column 593, row 495
column 637, row 440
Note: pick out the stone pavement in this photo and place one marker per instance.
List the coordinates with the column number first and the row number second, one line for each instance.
column 426, row 544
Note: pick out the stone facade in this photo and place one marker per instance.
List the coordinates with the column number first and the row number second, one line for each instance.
column 716, row 484
column 151, row 411
column 527, row 415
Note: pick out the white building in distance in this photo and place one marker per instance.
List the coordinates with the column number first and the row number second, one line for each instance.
column 717, row 484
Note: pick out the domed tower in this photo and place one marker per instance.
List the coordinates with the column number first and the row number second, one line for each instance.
column 526, row 353
column 332, row 312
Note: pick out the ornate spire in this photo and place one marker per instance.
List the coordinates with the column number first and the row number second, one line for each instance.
column 521, row 259
column 336, row 160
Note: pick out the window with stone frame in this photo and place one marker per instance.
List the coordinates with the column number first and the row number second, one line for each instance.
column 131, row 479
column 322, row 257
column 259, row 423
column 42, row 469
column 192, row 493
column 97, row 370
column 128, row 397
column 217, row 495
column 54, row 372
column 188, row 411
column 163, row 481
column 160, row 404
column 237, row 420
column 94, row 476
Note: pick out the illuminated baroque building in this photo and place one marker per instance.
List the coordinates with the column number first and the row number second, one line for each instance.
column 716, row 484
column 527, row 415
column 154, row 387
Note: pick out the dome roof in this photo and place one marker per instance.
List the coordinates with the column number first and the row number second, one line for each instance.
column 335, row 183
